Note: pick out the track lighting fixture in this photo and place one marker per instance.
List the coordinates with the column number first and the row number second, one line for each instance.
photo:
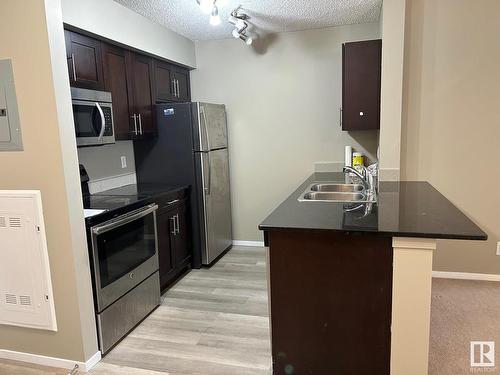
column 239, row 20
column 206, row 6
column 210, row 7
column 214, row 17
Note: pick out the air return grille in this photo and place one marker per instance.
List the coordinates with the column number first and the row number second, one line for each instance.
column 26, row 297
column 15, row 222
column 10, row 299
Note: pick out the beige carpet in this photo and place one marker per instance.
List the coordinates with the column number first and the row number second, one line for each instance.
column 462, row 311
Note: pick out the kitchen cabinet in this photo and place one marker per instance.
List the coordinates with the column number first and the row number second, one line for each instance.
column 141, row 75
column 171, row 83
column 84, row 61
column 118, row 82
column 136, row 82
column 361, row 76
column 164, row 82
column 181, row 78
column 174, row 245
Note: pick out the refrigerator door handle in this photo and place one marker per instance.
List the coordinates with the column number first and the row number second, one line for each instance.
column 209, row 172
column 205, row 129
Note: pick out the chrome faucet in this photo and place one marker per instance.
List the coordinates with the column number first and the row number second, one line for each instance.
column 366, row 179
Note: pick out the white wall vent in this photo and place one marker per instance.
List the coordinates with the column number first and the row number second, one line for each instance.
column 26, row 297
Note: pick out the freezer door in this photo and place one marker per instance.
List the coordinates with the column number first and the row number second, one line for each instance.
column 217, row 204
column 212, row 132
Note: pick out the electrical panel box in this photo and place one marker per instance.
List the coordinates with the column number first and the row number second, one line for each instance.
column 10, row 127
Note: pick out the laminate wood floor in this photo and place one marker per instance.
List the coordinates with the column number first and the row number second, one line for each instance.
column 213, row 322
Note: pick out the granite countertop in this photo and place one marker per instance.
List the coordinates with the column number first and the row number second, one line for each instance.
column 403, row 209
column 111, row 203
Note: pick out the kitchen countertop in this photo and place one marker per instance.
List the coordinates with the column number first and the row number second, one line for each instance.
column 403, row 209
column 117, row 201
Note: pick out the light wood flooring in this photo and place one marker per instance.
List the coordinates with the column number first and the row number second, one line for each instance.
column 213, row 322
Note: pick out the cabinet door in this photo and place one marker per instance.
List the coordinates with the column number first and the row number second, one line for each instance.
column 118, row 83
column 84, row 61
column 142, row 78
column 163, row 82
column 182, row 247
column 182, row 81
column 165, row 230
column 361, row 71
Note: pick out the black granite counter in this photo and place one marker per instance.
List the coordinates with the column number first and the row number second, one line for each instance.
column 115, row 202
column 403, row 209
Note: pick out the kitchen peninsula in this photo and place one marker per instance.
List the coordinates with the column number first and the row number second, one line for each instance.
column 350, row 283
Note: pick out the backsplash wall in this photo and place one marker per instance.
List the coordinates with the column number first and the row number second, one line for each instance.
column 103, row 164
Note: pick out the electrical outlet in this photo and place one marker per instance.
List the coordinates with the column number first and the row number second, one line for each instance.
column 124, row 162
column 498, row 248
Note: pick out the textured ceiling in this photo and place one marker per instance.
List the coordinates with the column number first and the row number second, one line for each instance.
column 186, row 18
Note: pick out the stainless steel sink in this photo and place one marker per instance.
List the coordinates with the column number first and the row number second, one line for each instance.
column 334, row 187
column 336, row 193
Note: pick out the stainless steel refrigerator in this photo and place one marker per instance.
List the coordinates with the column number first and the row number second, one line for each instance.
column 192, row 149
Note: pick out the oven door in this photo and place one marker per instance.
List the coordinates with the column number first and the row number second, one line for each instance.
column 93, row 123
column 124, row 254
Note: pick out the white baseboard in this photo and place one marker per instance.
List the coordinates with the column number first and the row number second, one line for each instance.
column 50, row 361
column 465, row 276
column 249, row 243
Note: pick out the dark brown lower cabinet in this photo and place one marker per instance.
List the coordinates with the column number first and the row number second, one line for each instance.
column 330, row 299
column 174, row 246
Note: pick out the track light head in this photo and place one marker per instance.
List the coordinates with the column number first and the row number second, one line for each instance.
column 214, row 17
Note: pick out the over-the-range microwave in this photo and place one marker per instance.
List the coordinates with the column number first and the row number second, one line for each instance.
column 93, row 116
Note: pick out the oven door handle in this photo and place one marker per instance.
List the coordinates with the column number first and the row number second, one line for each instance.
column 125, row 219
column 103, row 120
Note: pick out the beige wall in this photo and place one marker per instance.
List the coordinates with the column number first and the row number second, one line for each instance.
column 451, row 121
column 283, row 101
column 32, row 37
column 392, row 25
column 113, row 21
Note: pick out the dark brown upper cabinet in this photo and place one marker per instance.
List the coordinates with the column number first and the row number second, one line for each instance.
column 117, row 81
column 141, row 75
column 361, row 72
column 164, row 81
column 181, row 77
column 136, row 82
column 171, row 83
column 84, row 61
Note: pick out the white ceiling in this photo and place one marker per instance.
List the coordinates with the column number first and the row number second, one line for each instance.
column 186, row 18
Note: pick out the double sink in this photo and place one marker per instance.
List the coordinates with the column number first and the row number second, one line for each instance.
column 337, row 193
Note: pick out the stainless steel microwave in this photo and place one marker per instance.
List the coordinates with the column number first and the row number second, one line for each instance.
column 93, row 117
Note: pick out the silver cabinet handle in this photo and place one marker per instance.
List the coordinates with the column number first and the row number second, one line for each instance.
column 173, row 87
column 178, row 226
column 172, row 202
column 173, row 223
column 140, row 124
column 103, row 121
column 74, row 67
column 135, row 123
column 178, row 91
